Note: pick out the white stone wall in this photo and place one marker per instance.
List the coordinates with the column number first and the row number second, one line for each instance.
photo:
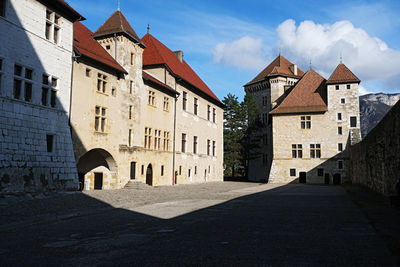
column 24, row 125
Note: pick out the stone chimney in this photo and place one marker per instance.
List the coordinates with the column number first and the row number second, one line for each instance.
column 179, row 55
column 293, row 68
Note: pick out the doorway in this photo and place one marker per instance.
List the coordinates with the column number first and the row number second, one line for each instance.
column 326, row 178
column 98, row 180
column 149, row 175
column 337, row 179
column 133, row 170
column 302, row 177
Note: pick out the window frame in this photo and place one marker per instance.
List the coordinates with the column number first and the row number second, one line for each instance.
column 305, row 122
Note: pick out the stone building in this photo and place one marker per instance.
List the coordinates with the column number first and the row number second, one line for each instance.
column 126, row 117
column 36, row 150
column 268, row 87
column 313, row 123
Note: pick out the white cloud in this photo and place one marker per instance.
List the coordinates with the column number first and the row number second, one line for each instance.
column 245, row 53
column 363, row 91
column 368, row 57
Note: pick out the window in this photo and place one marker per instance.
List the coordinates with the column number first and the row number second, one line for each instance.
column 343, row 100
column 208, row 112
column 353, row 121
column 130, row 137
column 147, row 137
column 340, row 147
column 264, row 101
column 49, row 85
column 130, row 112
column 53, row 26
column 340, row 130
column 131, row 58
column 339, row 116
column 131, row 87
column 50, row 142
column 292, row 172
column 101, row 83
column 337, row 87
column 195, row 106
column 315, row 151
column 166, row 103
column 108, row 47
column 22, row 81
column 265, row 118
column 195, row 170
column 340, row 164
column 100, row 119
column 194, row 144
column 305, row 122
column 320, row 172
column 114, row 91
column 214, row 115
column 162, row 170
column 297, row 151
column 348, row 86
column 88, row 72
column 2, row 8
column 180, row 170
column 142, row 170
column 166, row 141
column 152, row 98
column 184, row 100
column 208, row 147
column 157, row 139
column 213, row 148
column 183, row 149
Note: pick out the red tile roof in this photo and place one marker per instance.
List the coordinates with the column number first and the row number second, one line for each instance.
column 148, row 77
column 343, row 75
column 308, row 95
column 157, row 53
column 89, row 47
column 279, row 66
column 117, row 23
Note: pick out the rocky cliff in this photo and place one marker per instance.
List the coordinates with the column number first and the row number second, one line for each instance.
column 373, row 108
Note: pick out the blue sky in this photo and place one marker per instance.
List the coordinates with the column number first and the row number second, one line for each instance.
column 229, row 42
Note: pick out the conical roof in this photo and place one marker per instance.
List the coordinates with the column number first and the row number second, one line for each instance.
column 343, row 75
column 117, row 23
column 308, row 95
column 279, row 66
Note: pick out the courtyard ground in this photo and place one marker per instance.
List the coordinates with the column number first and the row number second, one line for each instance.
column 218, row 224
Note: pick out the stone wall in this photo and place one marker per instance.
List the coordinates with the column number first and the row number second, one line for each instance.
column 376, row 160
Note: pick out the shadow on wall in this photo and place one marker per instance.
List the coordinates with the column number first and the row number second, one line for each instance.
column 286, row 225
column 36, row 152
column 376, row 160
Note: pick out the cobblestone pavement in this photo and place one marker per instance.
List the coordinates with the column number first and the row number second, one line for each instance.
column 205, row 224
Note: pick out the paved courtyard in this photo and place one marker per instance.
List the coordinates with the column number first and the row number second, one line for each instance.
column 214, row 224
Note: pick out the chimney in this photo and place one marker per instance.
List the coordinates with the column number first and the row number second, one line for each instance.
column 293, row 68
column 179, row 55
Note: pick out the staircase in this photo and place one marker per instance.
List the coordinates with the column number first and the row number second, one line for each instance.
column 136, row 185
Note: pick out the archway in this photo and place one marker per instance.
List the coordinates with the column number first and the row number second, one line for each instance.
column 337, row 178
column 96, row 169
column 149, row 175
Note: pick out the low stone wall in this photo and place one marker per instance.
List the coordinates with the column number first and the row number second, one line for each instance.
column 376, row 160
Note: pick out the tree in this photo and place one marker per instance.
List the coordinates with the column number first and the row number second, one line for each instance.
column 252, row 131
column 233, row 124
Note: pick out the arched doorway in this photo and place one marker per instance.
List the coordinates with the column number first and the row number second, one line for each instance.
column 96, row 169
column 149, row 175
column 337, row 179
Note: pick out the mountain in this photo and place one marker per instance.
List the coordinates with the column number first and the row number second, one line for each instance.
column 373, row 108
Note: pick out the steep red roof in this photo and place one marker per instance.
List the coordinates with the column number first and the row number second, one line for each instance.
column 157, row 53
column 117, row 23
column 87, row 46
column 279, row 66
column 308, row 95
column 342, row 75
column 148, row 77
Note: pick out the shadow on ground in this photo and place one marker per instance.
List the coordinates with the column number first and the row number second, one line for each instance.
column 284, row 225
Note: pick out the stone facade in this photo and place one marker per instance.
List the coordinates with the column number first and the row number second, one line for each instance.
column 144, row 121
column 36, row 150
column 375, row 161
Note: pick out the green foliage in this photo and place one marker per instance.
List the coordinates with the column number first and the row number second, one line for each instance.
column 241, row 124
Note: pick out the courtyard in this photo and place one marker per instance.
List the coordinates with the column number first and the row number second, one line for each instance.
column 229, row 223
